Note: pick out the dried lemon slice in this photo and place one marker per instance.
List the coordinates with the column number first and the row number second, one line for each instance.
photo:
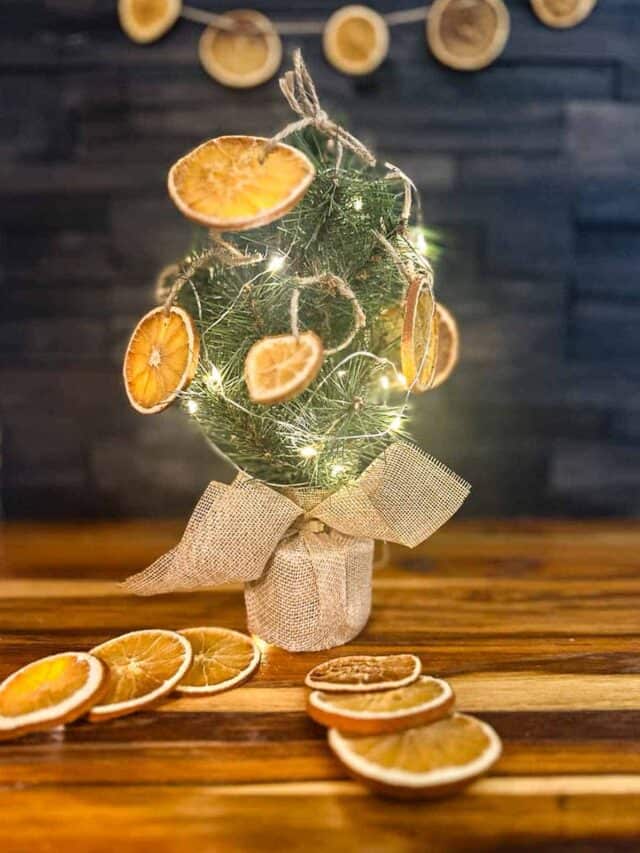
column 425, row 700
column 161, row 359
column 245, row 56
column 362, row 673
column 231, row 184
column 448, row 348
column 428, row 761
column 222, row 658
column 356, row 40
column 419, row 340
column 563, row 13
column 278, row 368
column 143, row 667
column 50, row 692
column 467, row 34
column 145, row 21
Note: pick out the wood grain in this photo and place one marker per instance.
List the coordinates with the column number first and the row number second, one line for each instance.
column 535, row 624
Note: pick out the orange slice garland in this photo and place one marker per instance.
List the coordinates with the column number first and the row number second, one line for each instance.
column 563, row 13
column 242, row 57
column 448, row 348
column 50, row 692
column 467, row 34
column 356, row 40
column 419, row 339
column 231, row 183
column 143, row 667
column 222, row 659
column 278, row 368
column 145, row 21
column 161, row 359
column 363, row 673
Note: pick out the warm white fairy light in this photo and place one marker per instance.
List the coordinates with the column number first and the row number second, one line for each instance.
column 308, row 452
column 356, row 204
column 275, row 262
column 421, row 243
column 215, row 377
column 385, row 383
column 192, row 407
column 337, row 470
column 396, row 423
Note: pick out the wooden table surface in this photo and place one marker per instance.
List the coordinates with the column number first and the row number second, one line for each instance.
column 536, row 625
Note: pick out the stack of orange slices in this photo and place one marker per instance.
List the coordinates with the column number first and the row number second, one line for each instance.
column 393, row 728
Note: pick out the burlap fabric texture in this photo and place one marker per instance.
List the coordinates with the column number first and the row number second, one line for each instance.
column 306, row 555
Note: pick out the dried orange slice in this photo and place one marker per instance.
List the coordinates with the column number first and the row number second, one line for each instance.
column 419, row 340
column 363, row 673
column 161, row 359
column 428, row 761
column 356, row 40
column 425, row 700
column 229, row 184
column 50, row 692
column 143, row 667
column 245, row 56
column 278, row 368
column 145, row 21
column 222, row 658
column 562, row 13
column 448, row 349
column 467, row 34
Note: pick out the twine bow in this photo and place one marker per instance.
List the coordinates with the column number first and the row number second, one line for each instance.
column 403, row 496
column 300, row 92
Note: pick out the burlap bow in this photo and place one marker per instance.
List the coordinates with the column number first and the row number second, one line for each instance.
column 403, row 496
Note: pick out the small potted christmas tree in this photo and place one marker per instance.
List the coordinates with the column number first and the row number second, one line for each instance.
column 294, row 333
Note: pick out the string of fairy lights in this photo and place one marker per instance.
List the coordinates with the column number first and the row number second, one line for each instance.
column 243, row 49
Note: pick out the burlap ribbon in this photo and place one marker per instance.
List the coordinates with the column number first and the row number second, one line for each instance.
column 235, row 530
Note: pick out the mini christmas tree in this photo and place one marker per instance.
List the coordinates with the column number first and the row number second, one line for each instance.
column 303, row 318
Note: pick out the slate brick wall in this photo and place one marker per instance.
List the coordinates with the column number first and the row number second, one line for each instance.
column 530, row 169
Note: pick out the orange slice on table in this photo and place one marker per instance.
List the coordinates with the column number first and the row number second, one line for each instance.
column 428, row 761
column 245, row 56
column 425, row 700
column 222, row 658
column 143, row 667
column 363, row 673
column 467, row 34
column 448, row 348
column 419, row 338
column 230, row 184
column 563, row 13
column 50, row 692
column 356, row 40
column 278, row 368
column 161, row 359
column 145, row 21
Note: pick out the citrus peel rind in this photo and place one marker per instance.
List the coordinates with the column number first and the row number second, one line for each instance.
column 143, row 667
column 145, row 21
column 235, row 183
column 222, row 659
column 280, row 367
column 424, row 762
column 50, row 692
column 364, row 673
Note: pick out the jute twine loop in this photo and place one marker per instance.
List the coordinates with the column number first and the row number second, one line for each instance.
column 334, row 284
column 298, row 88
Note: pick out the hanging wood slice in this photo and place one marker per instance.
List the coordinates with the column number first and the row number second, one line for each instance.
column 467, row 34
column 561, row 14
column 245, row 56
column 356, row 40
column 145, row 21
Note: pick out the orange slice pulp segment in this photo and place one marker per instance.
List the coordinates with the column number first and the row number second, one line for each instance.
column 278, row 368
column 222, row 658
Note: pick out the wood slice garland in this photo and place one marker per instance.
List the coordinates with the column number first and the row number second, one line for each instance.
column 562, row 14
column 467, row 34
column 247, row 55
column 145, row 21
column 356, row 40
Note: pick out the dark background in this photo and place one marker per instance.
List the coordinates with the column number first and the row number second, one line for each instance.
column 529, row 169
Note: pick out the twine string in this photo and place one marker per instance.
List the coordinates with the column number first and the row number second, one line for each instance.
column 334, row 284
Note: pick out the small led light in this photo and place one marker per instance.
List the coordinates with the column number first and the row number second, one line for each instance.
column 421, row 243
column 308, row 452
column 342, row 373
column 192, row 407
column 215, row 377
column 337, row 470
column 357, row 203
column 401, row 379
column 396, row 423
column 384, row 382
column 275, row 263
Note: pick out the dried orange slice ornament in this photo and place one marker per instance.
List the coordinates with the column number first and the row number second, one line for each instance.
column 143, row 667
column 278, row 368
column 222, row 659
column 233, row 183
column 428, row 761
column 425, row 700
column 448, row 349
column 50, row 692
column 161, row 359
column 563, row 13
column 363, row 673
column 246, row 55
column 145, row 21
column 419, row 340
column 467, row 34
column 356, row 40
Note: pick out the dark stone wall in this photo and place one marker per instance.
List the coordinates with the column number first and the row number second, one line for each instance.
column 530, row 169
